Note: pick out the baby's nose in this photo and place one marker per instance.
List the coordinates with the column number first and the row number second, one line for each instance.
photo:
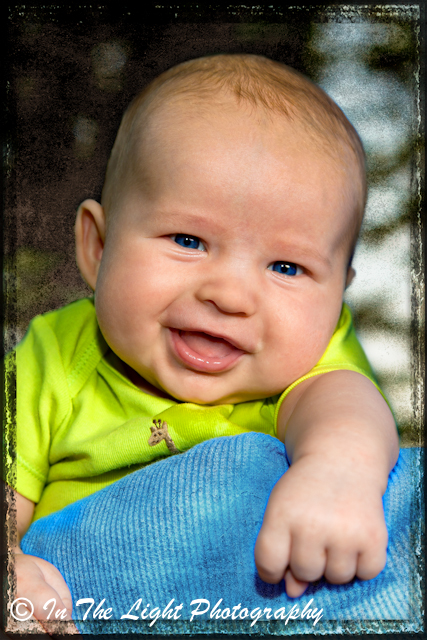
column 232, row 294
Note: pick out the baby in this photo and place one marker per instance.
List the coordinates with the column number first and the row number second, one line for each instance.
column 219, row 257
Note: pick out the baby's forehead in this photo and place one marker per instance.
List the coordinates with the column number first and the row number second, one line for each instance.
column 181, row 135
column 191, row 125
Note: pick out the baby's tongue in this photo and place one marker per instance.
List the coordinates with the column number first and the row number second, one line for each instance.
column 205, row 345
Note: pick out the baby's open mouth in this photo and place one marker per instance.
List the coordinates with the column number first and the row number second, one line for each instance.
column 205, row 345
column 204, row 352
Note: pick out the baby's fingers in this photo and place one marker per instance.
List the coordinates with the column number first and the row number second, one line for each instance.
column 371, row 563
column 46, row 602
column 308, row 558
column 54, row 578
column 42, row 588
column 272, row 554
column 294, row 588
column 341, row 565
column 372, row 551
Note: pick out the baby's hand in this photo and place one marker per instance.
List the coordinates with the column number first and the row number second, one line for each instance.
column 39, row 581
column 323, row 518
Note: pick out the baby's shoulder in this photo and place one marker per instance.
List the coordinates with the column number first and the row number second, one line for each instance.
column 73, row 318
column 73, row 330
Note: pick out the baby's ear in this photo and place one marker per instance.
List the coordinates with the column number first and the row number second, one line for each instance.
column 90, row 237
column 350, row 275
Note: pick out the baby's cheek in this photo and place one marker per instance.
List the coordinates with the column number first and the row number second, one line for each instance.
column 116, row 309
column 298, row 351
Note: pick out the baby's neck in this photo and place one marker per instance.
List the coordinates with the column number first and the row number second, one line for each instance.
column 138, row 380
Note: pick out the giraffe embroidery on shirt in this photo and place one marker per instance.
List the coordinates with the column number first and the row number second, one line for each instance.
column 159, row 432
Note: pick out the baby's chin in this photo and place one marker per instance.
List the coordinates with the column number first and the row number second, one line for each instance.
column 211, row 394
column 195, row 387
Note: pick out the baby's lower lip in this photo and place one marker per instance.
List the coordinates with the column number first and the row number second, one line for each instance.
column 209, row 363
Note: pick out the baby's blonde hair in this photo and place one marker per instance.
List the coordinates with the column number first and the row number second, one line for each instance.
column 254, row 80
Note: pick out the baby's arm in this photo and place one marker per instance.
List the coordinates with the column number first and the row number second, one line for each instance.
column 37, row 580
column 325, row 515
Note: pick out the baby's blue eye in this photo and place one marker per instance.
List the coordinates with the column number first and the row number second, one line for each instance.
column 286, row 268
column 189, row 242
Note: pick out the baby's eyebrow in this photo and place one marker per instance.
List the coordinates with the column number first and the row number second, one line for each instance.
column 313, row 254
column 182, row 219
column 298, row 252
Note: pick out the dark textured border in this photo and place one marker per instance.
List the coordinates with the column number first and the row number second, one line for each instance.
column 233, row 13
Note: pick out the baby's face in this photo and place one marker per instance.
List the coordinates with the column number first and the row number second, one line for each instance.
column 224, row 268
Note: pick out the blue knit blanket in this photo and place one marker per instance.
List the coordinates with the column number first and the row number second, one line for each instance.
column 169, row 549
